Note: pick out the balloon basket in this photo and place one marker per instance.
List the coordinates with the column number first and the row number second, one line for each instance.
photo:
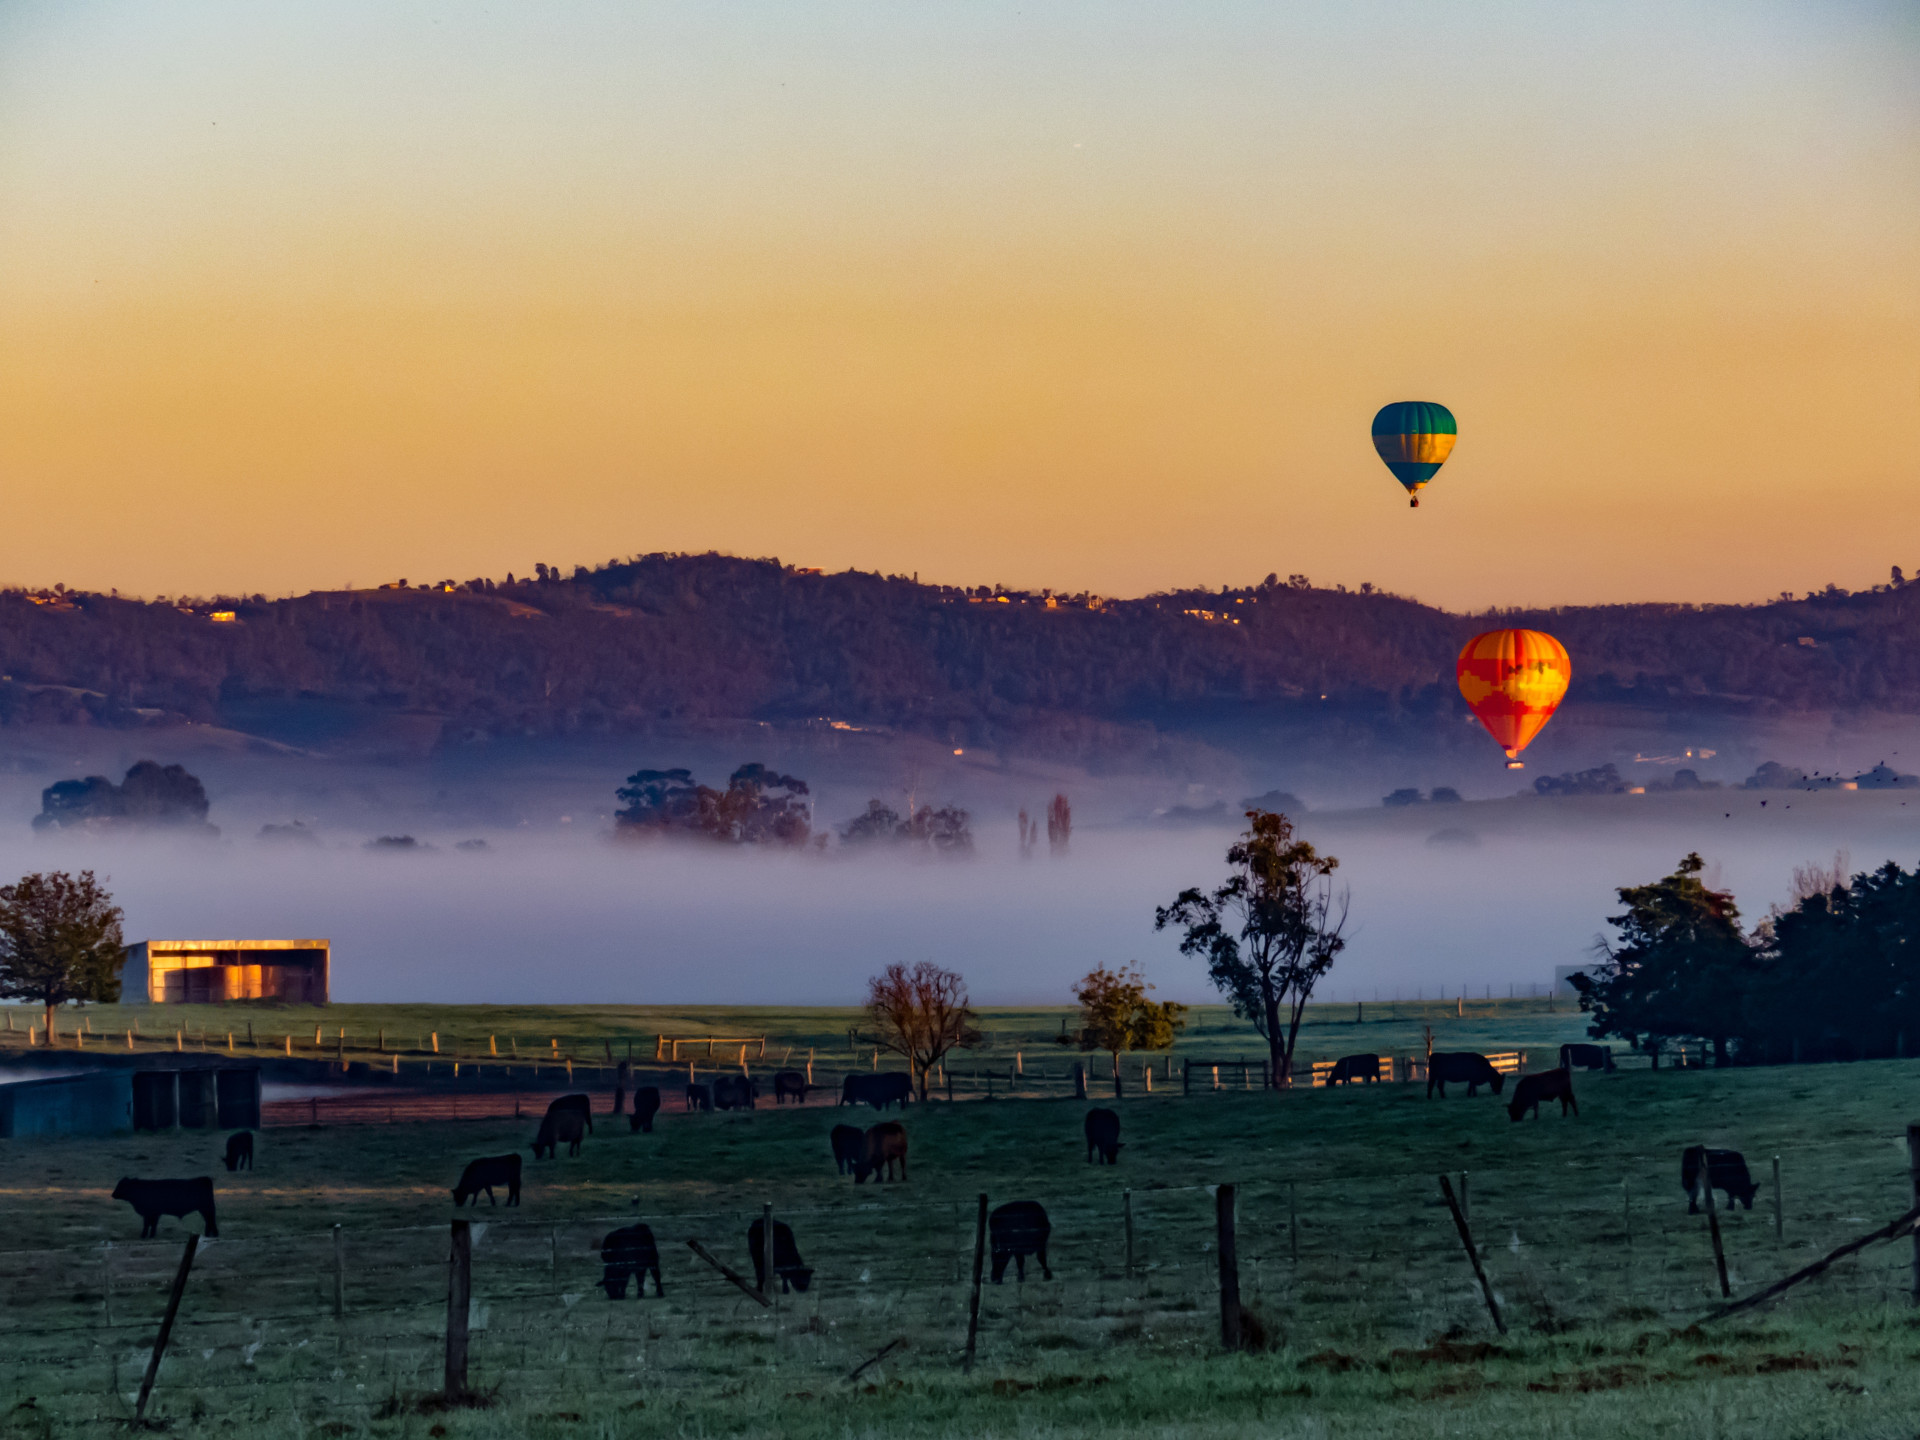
column 1516, row 764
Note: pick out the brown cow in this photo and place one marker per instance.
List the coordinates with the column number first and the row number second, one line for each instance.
column 885, row 1144
column 1546, row 1085
column 560, row 1127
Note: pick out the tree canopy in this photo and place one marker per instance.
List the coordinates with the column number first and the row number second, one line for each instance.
column 1116, row 1014
column 758, row 807
column 1679, row 966
column 149, row 794
column 60, row 941
column 1270, row 933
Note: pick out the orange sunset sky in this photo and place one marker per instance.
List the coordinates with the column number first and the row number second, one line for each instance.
column 1092, row 296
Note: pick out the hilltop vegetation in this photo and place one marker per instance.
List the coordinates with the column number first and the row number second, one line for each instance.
column 689, row 639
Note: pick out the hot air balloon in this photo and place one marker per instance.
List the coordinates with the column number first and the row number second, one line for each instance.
column 1514, row 680
column 1414, row 437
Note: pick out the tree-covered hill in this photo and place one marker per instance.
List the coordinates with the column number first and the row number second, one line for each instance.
column 698, row 638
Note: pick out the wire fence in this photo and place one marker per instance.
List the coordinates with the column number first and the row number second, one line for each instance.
column 347, row 1320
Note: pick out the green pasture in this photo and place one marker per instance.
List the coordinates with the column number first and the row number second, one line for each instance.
column 588, row 1033
column 1373, row 1323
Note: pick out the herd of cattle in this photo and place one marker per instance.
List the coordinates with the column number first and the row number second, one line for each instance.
column 1017, row 1231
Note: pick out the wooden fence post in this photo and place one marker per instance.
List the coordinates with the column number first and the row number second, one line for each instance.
column 1079, row 1081
column 339, row 1276
column 1913, row 1174
column 166, row 1329
column 1186, row 1077
column 1229, row 1268
column 1779, row 1209
column 1126, row 1211
column 459, row 1298
column 1473, row 1255
column 973, row 1301
column 1713, row 1226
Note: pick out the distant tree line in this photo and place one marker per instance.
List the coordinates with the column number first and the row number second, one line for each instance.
column 677, row 639
column 943, row 829
column 1835, row 976
column 150, row 794
column 1607, row 780
column 759, row 807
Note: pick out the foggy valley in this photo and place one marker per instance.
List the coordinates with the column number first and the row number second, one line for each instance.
column 1488, row 893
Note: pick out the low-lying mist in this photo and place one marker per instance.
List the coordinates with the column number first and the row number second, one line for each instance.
column 1482, row 895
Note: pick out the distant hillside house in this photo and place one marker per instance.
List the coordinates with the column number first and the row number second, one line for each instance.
column 212, row 972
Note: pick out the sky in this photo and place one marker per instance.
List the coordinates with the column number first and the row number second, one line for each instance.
column 1095, row 296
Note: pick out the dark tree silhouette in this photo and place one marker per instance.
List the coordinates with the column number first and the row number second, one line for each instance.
column 1269, row 933
column 150, row 794
column 1677, row 968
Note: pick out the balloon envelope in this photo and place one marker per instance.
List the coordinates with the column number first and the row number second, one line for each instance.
column 1414, row 438
column 1514, row 681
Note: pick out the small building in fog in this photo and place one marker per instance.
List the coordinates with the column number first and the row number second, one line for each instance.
column 213, row 972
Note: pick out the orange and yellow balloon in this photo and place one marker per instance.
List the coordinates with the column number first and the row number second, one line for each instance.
column 1514, row 680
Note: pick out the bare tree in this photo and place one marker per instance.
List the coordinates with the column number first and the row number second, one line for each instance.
column 1814, row 878
column 921, row 1014
column 1270, row 933
column 59, row 940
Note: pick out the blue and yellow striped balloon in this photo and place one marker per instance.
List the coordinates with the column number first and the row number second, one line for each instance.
column 1414, row 437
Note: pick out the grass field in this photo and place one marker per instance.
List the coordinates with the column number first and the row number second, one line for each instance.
column 588, row 1033
column 1375, row 1326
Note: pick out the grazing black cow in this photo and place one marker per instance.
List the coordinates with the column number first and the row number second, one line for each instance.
column 793, row 1272
column 699, row 1097
column 1726, row 1170
column 879, row 1091
column 1103, row 1136
column 486, row 1173
column 1586, row 1057
column 1546, row 1085
column 565, row 1127
column 180, row 1198
column 630, row 1254
column 1349, row 1068
column 789, row 1082
column 1016, row 1230
column 881, row 1147
column 646, row 1105
column 582, row 1104
column 849, row 1143
column 734, row 1092
column 240, row 1150
column 1465, row 1067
